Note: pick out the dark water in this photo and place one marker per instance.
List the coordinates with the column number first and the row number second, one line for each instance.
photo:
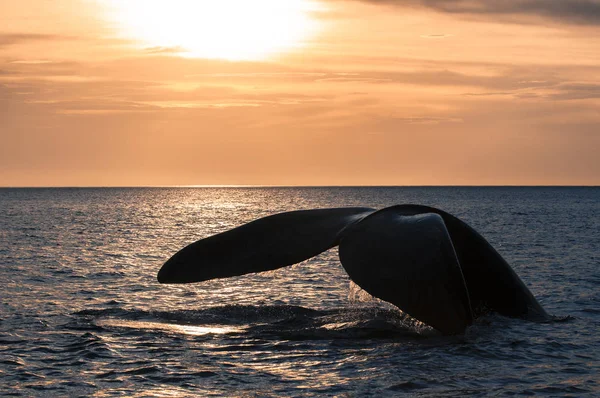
column 82, row 314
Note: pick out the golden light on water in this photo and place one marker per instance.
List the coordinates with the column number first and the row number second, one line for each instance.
column 224, row 29
column 183, row 329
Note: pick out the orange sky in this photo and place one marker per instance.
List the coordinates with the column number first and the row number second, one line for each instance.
column 299, row 92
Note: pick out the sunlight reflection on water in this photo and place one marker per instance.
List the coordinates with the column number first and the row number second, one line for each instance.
column 185, row 329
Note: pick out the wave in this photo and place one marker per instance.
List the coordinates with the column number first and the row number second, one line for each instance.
column 274, row 322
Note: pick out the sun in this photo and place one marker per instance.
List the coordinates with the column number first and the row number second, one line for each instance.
column 225, row 29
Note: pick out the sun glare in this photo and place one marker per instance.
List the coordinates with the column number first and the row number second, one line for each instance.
column 226, row 29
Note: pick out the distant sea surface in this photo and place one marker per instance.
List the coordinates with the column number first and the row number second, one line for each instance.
column 81, row 312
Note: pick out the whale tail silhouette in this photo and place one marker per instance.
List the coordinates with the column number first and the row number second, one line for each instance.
column 266, row 244
column 423, row 260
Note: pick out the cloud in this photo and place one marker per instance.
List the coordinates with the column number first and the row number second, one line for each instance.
column 486, row 94
column 356, row 79
column 437, row 36
column 31, row 61
column 577, row 91
column 8, row 39
column 564, row 91
column 165, row 50
column 509, row 79
column 93, row 97
column 583, row 12
column 428, row 120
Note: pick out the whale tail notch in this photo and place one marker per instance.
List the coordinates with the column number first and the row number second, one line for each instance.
column 266, row 244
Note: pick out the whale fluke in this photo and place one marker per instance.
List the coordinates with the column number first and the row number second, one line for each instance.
column 427, row 262
column 265, row 244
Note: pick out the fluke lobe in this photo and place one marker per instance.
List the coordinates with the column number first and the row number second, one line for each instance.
column 430, row 264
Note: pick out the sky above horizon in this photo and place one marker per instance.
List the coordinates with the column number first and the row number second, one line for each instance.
column 299, row 92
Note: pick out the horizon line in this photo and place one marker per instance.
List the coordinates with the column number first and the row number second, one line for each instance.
column 304, row 186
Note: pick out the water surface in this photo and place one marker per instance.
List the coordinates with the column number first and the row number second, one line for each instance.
column 82, row 313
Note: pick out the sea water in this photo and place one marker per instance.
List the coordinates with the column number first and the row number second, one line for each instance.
column 82, row 313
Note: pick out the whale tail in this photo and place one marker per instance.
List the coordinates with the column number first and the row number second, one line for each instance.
column 265, row 244
column 426, row 262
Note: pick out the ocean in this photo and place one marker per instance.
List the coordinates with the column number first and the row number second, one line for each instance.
column 82, row 313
